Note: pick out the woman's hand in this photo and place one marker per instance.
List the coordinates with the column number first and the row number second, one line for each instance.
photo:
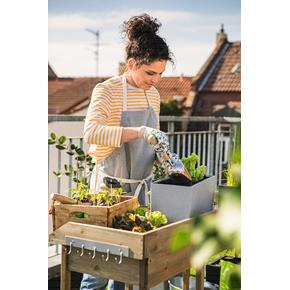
column 146, row 134
column 132, row 133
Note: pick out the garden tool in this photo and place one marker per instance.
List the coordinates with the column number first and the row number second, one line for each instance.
column 177, row 172
column 111, row 183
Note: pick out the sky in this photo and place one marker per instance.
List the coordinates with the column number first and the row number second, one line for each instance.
column 188, row 26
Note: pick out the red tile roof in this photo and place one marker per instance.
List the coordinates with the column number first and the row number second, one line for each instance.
column 224, row 78
column 69, row 95
column 169, row 87
column 218, row 72
column 64, row 94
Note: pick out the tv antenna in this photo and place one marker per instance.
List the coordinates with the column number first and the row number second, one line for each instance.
column 97, row 35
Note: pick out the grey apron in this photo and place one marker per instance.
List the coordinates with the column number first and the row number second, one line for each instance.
column 131, row 164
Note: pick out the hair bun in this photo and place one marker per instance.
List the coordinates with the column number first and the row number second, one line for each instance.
column 137, row 26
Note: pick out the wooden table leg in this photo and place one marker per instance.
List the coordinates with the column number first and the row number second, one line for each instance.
column 185, row 276
column 65, row 274
column 143, row 275
column 200, row 278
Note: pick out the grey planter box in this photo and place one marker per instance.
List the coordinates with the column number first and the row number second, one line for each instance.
column 179, row 202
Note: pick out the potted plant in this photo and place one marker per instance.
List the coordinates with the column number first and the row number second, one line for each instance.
column 184, row 201
column 213, row 269
column 85, row 206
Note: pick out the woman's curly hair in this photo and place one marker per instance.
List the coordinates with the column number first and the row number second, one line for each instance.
column 144, row 45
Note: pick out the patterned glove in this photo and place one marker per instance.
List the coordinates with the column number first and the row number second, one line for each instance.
column 146, row 134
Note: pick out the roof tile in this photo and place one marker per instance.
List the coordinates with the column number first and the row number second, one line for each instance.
column 223, row 79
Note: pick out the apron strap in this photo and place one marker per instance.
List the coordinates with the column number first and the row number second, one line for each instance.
column 124, row 88
column 138, row 190
column 139, row 187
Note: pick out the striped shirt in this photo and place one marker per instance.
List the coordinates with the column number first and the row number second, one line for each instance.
column 102, row 125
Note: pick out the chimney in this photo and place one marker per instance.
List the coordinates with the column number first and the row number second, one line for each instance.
column 221, row 35
column 122, row 68
column 181, row 77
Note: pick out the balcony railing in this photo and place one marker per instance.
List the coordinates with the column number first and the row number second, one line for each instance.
column 212, row 145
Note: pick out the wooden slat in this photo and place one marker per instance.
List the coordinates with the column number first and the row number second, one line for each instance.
column 128, row 271
column 101, row 234
column 166, row 265
column 159, row 240
column 66, row 212
column 127, row 203
column 63, row 199
column 157, row 248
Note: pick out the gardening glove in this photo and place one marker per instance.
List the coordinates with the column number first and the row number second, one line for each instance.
column 146, row 134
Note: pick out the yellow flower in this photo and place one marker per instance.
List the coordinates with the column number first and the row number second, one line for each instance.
column 136, row 229
column 132, row 217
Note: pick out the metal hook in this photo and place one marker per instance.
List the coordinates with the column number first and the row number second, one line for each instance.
column 70, row 248
column 108, row 256
column 121, row 256
column 94, row 255
column 82, row 250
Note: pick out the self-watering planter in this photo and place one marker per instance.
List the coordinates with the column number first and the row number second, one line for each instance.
column 179, row 202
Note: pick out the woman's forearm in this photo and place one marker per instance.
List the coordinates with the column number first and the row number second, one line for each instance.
column 129, row 133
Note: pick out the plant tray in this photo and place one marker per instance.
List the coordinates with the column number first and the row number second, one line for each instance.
column 94, row 215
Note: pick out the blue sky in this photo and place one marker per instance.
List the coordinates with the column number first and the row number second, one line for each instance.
column 189, row 28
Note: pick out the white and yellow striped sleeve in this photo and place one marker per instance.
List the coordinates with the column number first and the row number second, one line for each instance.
column 158, row 110
column 96, row 130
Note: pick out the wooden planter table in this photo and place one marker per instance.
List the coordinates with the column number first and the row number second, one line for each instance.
column 143, row 259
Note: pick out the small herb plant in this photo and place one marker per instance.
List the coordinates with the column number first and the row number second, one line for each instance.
column 106, row 198
column 197, row 173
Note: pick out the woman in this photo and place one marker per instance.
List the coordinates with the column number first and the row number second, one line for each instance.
column 122, row 114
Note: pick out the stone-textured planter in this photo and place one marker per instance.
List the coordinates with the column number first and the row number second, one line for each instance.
column 179, row 202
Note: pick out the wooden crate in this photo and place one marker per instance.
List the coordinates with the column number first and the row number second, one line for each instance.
column 98, row 215
column 150, row 259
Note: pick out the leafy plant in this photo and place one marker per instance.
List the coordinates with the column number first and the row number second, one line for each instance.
column 141, row 211
column 81, row 193
column 156, row 218
column 105, row 198
column 230, row 276
column 196, row 173
column 139, row 220
column 80, row 172
column 232, row 173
